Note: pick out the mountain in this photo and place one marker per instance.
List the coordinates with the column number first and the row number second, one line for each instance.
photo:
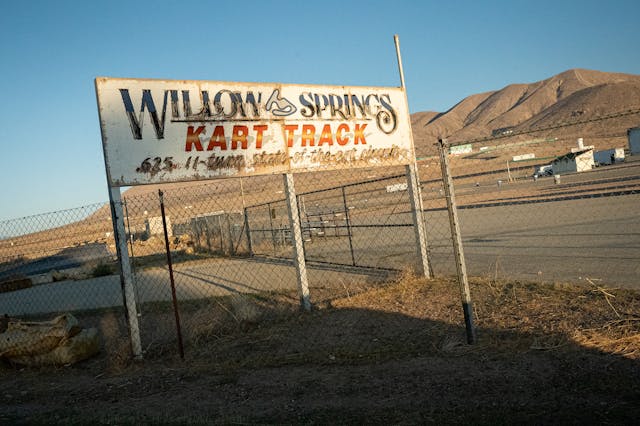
column 574, row 96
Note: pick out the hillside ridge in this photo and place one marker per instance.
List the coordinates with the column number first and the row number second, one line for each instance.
column 575, row 95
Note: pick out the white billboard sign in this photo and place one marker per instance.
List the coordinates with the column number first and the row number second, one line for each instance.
column 524, row 157
column 157, row 131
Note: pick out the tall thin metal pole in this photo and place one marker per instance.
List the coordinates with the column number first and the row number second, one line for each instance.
column 173, row 284
column 242, row 193
column 348, row 219
column 298, row 248
column 273, row 235
column 456, row 236
column 133, row 269
column 415, row 192
column 396, row 40
column 248, row 231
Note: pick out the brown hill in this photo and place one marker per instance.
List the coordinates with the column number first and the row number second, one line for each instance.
column 574, row 96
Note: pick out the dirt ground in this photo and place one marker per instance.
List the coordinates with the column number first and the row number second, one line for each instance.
column 395, row 354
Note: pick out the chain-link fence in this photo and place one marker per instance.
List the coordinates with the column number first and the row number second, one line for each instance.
column 542, row 210
column 532, row 210
column 52, row 265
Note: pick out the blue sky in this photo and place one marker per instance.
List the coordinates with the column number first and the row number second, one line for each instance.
column 51, row 152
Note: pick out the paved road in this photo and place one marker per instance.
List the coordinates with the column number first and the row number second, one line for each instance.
column 67, row 258
column 193, row 280
column 564, row 240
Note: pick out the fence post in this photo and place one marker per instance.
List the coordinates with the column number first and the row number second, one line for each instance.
column 174, row 298
column 207, row 232
column 296, row 236
column 126, row 276
column 348, row 220
column 230, row 234
column 221, row 235
column 273, row 235
column 248, row 231
column 456, row 237
column 417, row 211
column 301, row 226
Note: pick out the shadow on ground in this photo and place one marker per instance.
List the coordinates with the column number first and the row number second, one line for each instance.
column 393, row 354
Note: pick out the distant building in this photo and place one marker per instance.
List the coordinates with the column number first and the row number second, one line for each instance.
column 609, row 156
column 460, row 149
column 634, row 140
column 573, row 162
column 502, row 131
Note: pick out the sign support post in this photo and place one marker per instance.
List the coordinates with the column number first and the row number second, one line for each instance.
column 456, row 238
column 126, row 275
column 418, row 220
column 296, row 237
column 415, row 194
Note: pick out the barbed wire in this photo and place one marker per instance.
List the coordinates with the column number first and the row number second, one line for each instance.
column 552, row 127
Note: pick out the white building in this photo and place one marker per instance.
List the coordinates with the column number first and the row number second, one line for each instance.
column 153, row 226
column 573, row 162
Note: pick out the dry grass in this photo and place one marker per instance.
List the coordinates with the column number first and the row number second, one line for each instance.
column 379, row 353
column 406, row 317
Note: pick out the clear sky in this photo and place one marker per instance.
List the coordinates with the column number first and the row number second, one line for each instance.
column 51, row 51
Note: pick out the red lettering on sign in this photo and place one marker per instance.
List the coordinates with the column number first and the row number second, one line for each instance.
column 259, row 129
column 289, row 129
column 239, row 135
column 308, row 134
column 326, row 136
column 193, row 138
column 359, row 134
column 217, row 139
column 342, row 128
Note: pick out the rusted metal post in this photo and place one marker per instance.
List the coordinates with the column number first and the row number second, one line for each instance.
column 298, row 247
column 173, row 285
column 458, row 252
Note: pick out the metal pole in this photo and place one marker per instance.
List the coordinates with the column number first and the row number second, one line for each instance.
column 458, row 252
column 396, row 40
column 298, row 247
column 417, row 210
column 248, row 231
column 346, row 213
column 220, row 233
column 230, row 235
column 242, row 193
column 173, row 285
column 301, row 226
column 273, row 235
column 126, row 276
column 126, row 212
column 415, row 192
column 207, row 233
